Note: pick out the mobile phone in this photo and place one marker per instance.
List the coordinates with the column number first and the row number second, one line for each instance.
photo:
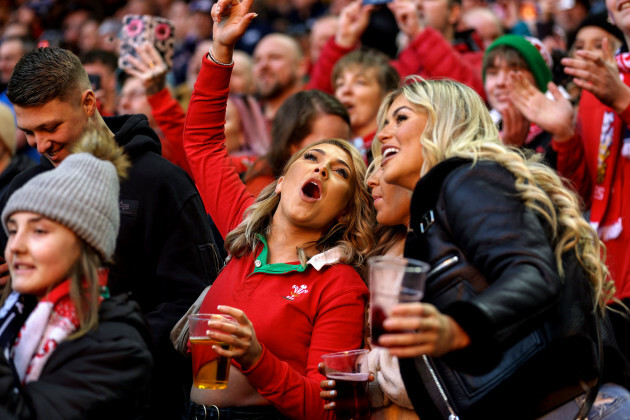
column 95, row 80
column 376, row 1
column 566, row 4
column 138, row 29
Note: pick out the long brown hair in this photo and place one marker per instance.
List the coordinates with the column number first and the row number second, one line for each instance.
column 351, row 232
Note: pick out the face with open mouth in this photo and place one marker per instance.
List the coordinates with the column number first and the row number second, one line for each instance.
column 401, row 150
column 39, row 252
column 316, row 188
column 52, row 127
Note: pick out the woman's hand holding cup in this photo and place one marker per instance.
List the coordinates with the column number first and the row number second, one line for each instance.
column 244, row 346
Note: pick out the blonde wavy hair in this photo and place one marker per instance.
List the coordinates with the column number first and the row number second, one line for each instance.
column 352, row 231
column 459, row 125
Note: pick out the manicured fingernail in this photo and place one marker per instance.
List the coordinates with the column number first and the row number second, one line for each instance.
column 333, row 393
column 331, row 383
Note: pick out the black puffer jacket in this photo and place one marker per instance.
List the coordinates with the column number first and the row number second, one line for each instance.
column 498, row 279
column 101, row 375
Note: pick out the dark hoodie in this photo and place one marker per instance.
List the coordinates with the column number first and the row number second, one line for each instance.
column 165, row 254
column 19, row 163
column 102, row 375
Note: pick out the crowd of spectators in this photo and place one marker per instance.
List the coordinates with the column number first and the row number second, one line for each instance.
column 553, row 76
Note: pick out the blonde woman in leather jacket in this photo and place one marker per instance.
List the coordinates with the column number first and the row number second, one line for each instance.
column 516, row 301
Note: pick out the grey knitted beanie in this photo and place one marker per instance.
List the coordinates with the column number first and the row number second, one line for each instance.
column 81, row 194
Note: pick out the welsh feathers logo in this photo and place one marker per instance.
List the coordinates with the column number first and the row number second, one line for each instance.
column 297, row 290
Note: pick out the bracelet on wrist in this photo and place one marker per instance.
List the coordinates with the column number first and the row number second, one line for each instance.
column 215, row 61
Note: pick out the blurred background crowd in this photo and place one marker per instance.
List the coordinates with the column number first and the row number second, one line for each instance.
column 84, row 26
column 298, row 45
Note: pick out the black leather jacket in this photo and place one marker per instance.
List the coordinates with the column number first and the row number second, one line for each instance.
column 495, row 273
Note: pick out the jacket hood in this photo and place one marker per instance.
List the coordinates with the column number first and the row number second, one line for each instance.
column 134, row 134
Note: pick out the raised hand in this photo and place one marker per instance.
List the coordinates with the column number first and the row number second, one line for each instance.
column 244, row 346
column 150, row 67
column 231, row 19
column 600, row 76
column 353, row 20
column 554, row 116
column 429, row 331
column 407, row 17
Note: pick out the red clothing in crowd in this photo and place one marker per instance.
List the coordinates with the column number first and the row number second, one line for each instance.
column 609, row 199
column 429, row 55
column 264, row 176
column 297, row 316
column 170, row 117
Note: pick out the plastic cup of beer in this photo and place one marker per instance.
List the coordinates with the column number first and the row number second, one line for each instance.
column 210, row 370
column 349, row 369
column 393, row 280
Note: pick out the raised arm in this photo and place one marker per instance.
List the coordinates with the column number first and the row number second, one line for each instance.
column 221, row 189
column 150, row 67
column 432, row 56
column 353, row 20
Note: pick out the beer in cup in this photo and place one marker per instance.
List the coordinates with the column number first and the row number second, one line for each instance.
column 210, row 370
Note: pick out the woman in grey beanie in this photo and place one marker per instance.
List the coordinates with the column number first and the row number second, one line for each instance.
column 67, row 347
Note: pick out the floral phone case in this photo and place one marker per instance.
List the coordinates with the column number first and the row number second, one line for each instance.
column 138, row 29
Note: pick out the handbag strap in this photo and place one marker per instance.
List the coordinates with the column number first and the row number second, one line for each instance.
column 592, row 393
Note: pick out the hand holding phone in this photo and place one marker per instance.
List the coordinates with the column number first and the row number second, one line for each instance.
column 140, row 29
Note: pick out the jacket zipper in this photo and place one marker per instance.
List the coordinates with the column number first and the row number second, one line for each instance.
column 452, row 416
column 443, row 265
column 440, row 267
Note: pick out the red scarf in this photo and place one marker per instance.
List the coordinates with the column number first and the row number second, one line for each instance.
column 51, row 322
column 607, row 191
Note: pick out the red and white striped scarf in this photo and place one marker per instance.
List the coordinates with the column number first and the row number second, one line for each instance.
column 614, row 145
column 51, row 322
